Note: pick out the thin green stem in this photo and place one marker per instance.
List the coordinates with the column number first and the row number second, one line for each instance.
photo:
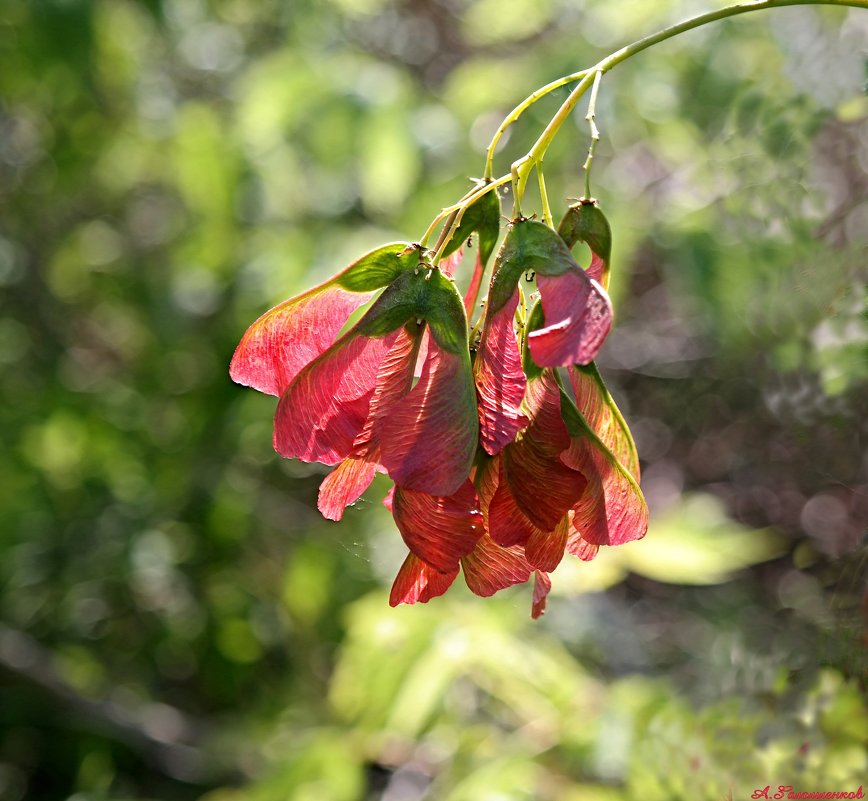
column 471, row 193
column 521, row 168
column 519, row 110
column 447, row 227
column 432, row 227
column 515, row 176
column 454, row 213
column 539, row 148
column 588, row 79
column 591, row 117
column 544, row 198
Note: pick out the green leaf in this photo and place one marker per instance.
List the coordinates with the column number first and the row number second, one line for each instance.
column 445, row 314
column 528, row 246
column 584, row 222
column 420, row 295
column 541, row 249
column 378, row 268
column 508, row 269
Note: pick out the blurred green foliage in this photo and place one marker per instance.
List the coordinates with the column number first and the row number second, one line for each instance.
column 176, row 622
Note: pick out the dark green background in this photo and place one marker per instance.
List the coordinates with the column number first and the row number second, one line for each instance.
column 178, row 622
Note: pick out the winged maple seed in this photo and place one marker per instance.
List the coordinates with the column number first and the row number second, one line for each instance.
column 498, row 470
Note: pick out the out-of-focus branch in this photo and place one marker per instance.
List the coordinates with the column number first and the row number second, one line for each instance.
column 166, row 738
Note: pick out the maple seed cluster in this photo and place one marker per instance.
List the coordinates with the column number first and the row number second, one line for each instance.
column 504, row 446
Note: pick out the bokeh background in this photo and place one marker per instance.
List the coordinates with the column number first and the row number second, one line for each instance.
column 178, row 622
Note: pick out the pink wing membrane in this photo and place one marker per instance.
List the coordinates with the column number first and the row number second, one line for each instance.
column 600, row 412
column 500, row 380
column 447, row 266
column 475, row 283
column 323, row 410
column 544, row 487
column 544, row 550
column 579, row 547
column 489, row 568
column 428, row 440
column 418, row 582
column 393, row 382
column 542, row 585
column 505, row 522
column 346, row 483
column 612, row 510
column 283, row 340
column 485, row 480
column 439, row 530
column 597, row 270
column 578, row 317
